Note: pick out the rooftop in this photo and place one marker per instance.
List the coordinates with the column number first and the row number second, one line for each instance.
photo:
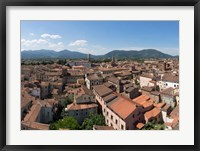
column 140, row 125
column 113, row 80
column 26, row 99
column 97, row 127
column 109, row 97
column 152, row 113
column 94, row 77
column 122, row 107
column 148, row 89
column 170, row 78
column 36, row 125
column 81, row 106
column 147, row 75
column 33, row 113
column 102, row 90
column 143, row 100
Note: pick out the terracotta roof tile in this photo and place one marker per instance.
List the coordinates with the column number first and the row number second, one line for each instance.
column 81, row 106
column 122, row 107
column 97, row 127
column 140, row 125
column 152, row 113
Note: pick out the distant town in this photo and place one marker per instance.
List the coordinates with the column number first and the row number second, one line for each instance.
column 103, row 94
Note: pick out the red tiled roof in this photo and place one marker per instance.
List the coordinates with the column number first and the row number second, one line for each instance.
column 97, row 127
column 81, row 106
column 122, row 107
column 152, row 113
column 140, row 125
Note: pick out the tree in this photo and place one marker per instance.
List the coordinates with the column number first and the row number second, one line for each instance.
column 66, row 123
column 94, row 119
column 153, row 126
column 67, row 100
column 136, row 82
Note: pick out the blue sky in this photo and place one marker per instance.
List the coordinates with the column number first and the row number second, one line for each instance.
column 100, row 37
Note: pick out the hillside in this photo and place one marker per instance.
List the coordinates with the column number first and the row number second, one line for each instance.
column 146, row 53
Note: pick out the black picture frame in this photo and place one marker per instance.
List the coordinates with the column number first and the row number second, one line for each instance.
column 5, row 3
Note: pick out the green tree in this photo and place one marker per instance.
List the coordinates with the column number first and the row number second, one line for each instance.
column 94, row 119
column 65, row 123
column 154, row 126
column 67, row 100
column 136, row 82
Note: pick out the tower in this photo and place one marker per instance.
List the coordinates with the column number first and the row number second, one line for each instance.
column 89, row 57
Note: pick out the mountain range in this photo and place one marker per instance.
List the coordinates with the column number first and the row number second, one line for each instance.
column 145, row 53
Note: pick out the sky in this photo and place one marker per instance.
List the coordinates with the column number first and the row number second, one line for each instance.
column 100, row 37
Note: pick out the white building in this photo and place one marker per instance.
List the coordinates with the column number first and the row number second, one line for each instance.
column 145, row 80
column 168, row 81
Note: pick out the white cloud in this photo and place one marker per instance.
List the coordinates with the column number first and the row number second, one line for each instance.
column 51, row 36
column 56, row 46
column 79, row 43
column 31, row 34
column 36, row 44
column 29, row 43
column 85, row 50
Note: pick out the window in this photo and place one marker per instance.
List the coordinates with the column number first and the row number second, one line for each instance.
column 174, row 85
column 107, row 121
column 107, row 113
column 111, row 124
column 111, row 117
column 122, row 127
column 133, row 115
column 115, row 121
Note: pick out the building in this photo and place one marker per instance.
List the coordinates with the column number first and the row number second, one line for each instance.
column 145, row 101
column 107, row 72
column 116, row 83
column 71, row 76
column 92, row 80
column 146, row 90
column 26, row 103
column 85, row 63
column 168, row 80
column 83, row 95
column 168, row 96
column 154, row 114
column 36, row 92
column 119, row 112
column 39, row 116
column 81, row 111
column 100, row 92
column 125, row 75
column 97, row 127
column 132, row 92
column 123, row 114
column 47, row 88
column 145, row 80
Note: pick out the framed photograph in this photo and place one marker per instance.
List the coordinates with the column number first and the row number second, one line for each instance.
column 79, row 75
